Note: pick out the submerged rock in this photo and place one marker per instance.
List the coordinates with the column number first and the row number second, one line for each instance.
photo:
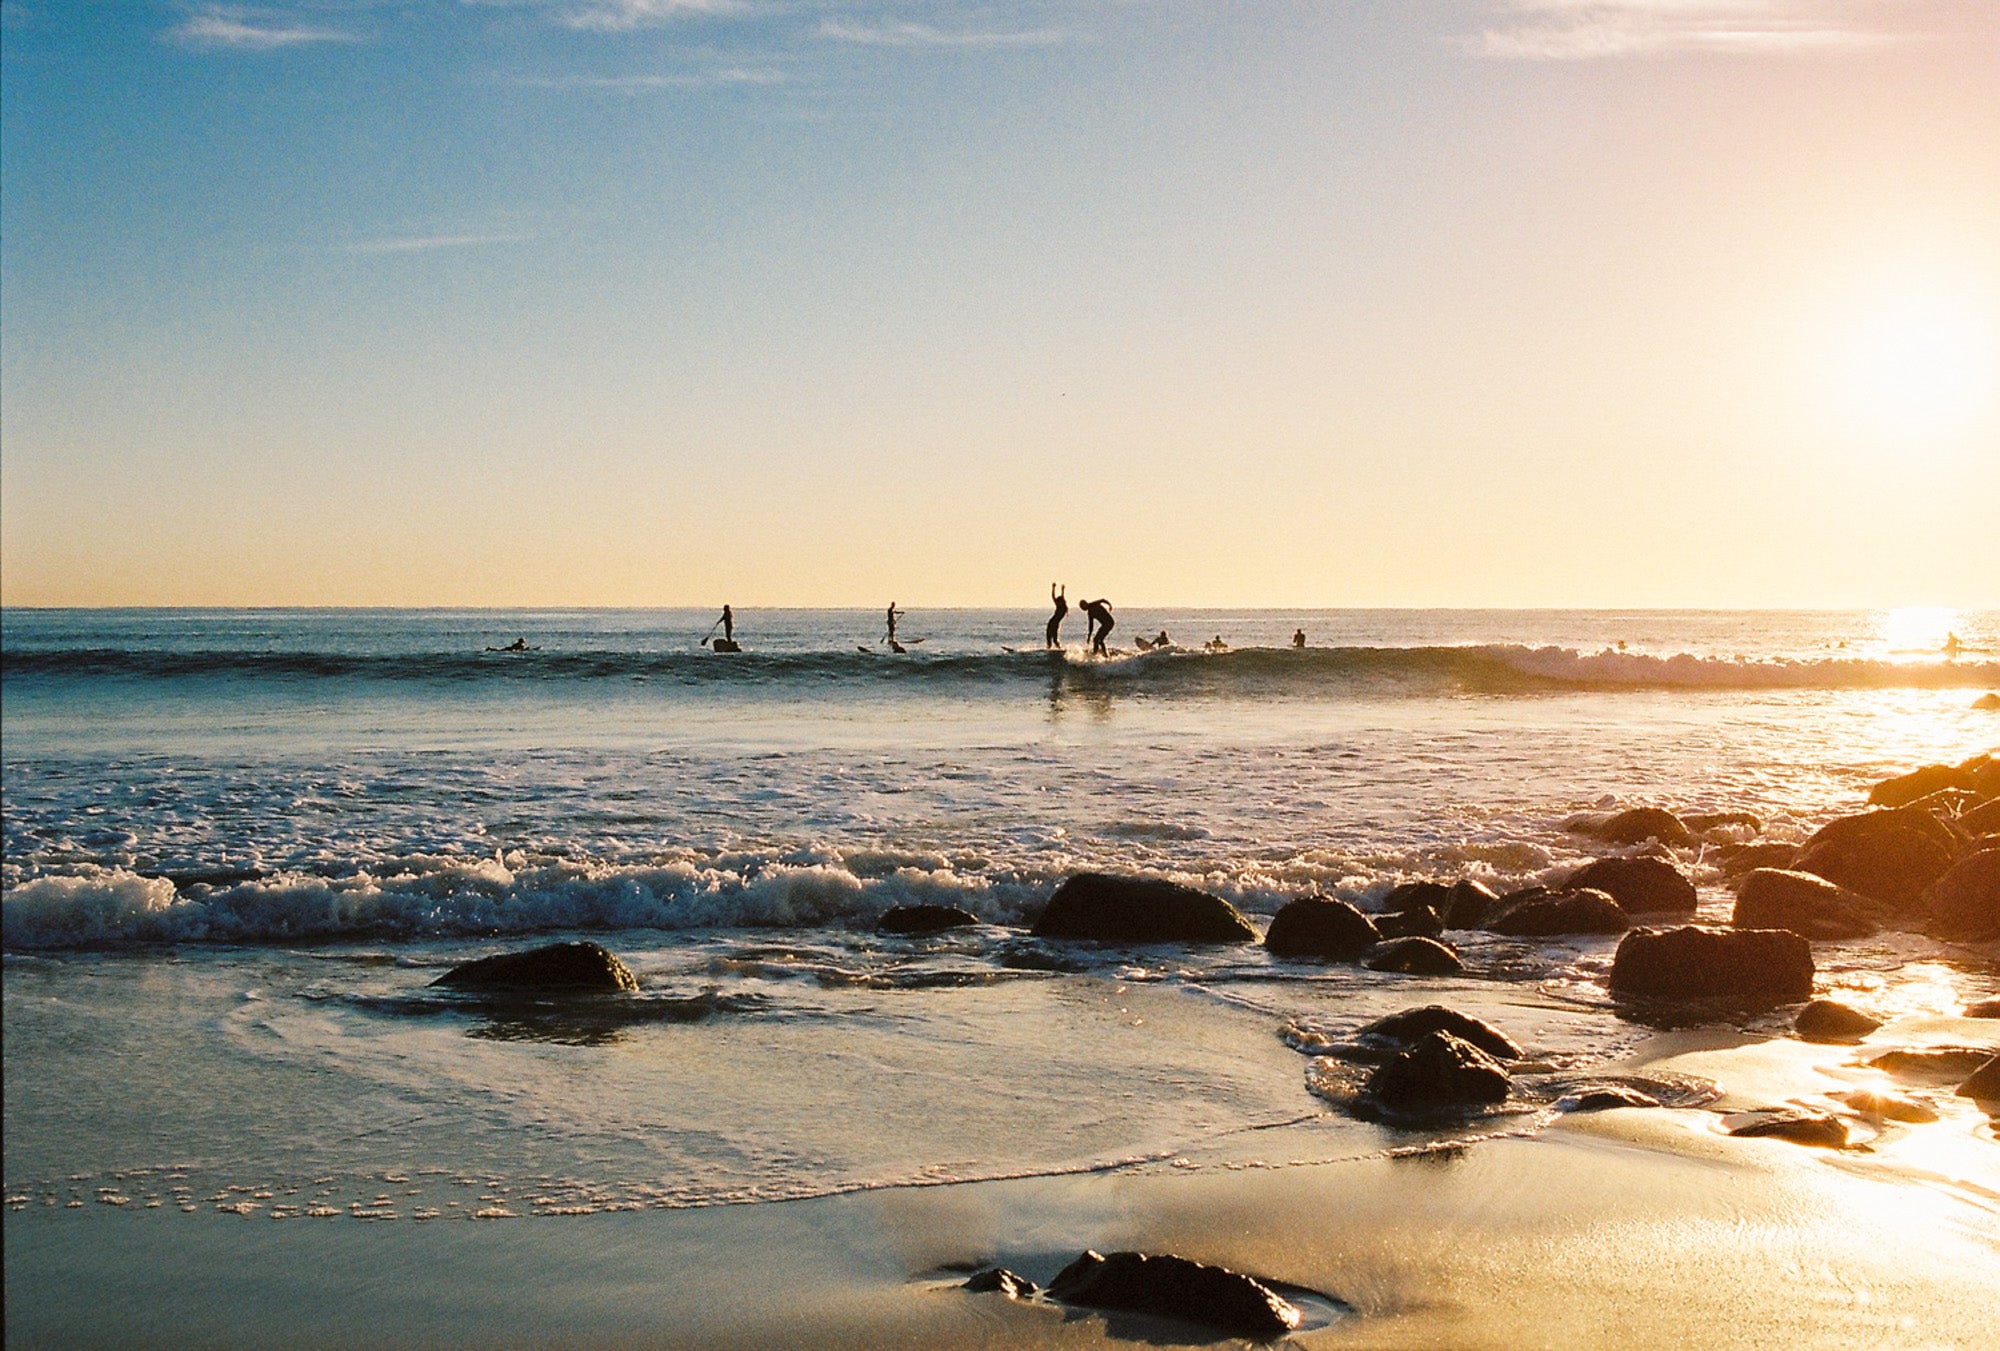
column 1117, row 909
column 924, row 919
column 1413, row 1025
column 1415, row 957
column 1605, row 1098
column 1984, row 1085
column 1642, row 886
column 1175, row 1287
column 1987, row 701
column 1639, row 824
column 1001, row 1281
column 1828, row 1020
column 1776, row 898
column 1803, row 1128
column 1720, row 820
column 1319, row 926
column 1934, row 1064
column 1469, row 904
column 1697, row 962
column 1888, row 1106
column 1553, row 913
column 1890, row 855
column 580, row 967
column 1965, row 902
column 1985, row 1008
column 1412, row 895
column 1440, row 1073
column 1417, row 922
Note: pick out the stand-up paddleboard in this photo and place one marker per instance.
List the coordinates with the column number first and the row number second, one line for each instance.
column 726, row 645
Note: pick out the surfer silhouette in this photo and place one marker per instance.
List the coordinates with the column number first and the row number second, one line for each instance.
column 894, row 615
column 1299, row 638
column 1061, row 598
column 1951, row 647
column 1099, row 614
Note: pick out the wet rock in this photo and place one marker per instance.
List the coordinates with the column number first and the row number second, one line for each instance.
column 1804, row 1128
column 1413, row 895
column 1413, row 1025
column 1982, row 820
column 1319, row 926
column 1965, row 902
column 1984, row 1085
column 579, row 967
column 1985, row 1008
column 1639, row 824
column 924, row 919
column 1828, row 1020
column 1117, row 909
column 1932, row 1064
column 1641, row 886
column 1415, row 957
column 1418, row 922
column 1605, row 1098
column 1987, row 701
column 1718, row 820
column 1469, row 904
column 1175, row 1287
column 1775, row 898
column 1888, row 1106
column 1001, row 1281
column 1560, row 912
column 1907, row 788
column 1749, row 966
column 1438, row 1074
column 1735, row 860
column 1889, row 856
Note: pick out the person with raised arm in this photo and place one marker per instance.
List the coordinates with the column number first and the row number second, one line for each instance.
column 1061, row 598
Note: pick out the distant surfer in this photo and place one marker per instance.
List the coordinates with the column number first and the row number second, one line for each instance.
column 1159, row 644
column 1952, row 647
column 518, row 645
column 728, row 622
column 1061, row 597
column 1098, row 612
column 1299, row 638
column 1215, row 644
column 894, row 615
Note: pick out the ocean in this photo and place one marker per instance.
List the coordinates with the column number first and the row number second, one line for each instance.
column 239, row 844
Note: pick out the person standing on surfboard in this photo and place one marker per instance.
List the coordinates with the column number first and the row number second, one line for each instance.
column 1061, row 598
column 894, row 615
column 1099, row 614
column 728, row 622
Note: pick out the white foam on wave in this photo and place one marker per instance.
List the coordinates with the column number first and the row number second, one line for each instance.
column 1610, row 667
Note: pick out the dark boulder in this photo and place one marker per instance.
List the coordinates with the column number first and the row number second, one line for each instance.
column 1889, row 855
column 1985, row 1008
column 1696, row 962
column 1987, row 701
column 1001, row 1281
column 1932, row 1064
column 1907, row 788
column 1117, row 909
column 1418, row 922
column 1772, row 898
column 1736, row 859
column 1175, row 1287
column 1319, row 926
column 1560, row 912
column 924, row 919
column 1982, row 820
column 1642, row 886
column 1414, row 895
column 1440, row 1073
column 579, row 967
column 1413, row 1025
column 1828, row 1020
column 1415, row 957
column 1802, row 1128
column 1984, row 1085
column 1639, row 824
column 1965, row 902
column 1470, row 902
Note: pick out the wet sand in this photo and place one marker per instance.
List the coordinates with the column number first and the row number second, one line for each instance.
column 1633, row 1227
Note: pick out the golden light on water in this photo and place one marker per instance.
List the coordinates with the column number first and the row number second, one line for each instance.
column 1917, row 630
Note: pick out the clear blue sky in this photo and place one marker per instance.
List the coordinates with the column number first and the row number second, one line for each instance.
column 1452, row 302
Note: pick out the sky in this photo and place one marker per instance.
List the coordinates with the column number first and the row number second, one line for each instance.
column 1181, row 302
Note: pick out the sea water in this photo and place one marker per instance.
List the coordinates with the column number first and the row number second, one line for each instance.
column 240, row 844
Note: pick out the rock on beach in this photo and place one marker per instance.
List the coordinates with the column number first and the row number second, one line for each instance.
column 1413, row 1025
column 1109, row 908
column 924, row 919
column 1319, row 926
column 574, row 967
column 1777, row 898
column 1540, row 914
column 1438, row 1074
column 1176, row 1287
column 1696, row 962
column 1642, row 886
column 1415, row 957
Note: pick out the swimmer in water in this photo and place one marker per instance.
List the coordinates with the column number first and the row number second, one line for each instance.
column 1061, row 598
column 1299, row 638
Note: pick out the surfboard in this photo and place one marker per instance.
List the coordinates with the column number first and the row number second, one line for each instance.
column 726, row 645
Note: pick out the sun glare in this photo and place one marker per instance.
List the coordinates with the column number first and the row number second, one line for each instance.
column 1917, row 630
column 1922, row 365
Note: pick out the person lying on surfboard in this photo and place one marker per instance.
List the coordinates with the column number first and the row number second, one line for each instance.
column 1099, row 614
column 1061, row 598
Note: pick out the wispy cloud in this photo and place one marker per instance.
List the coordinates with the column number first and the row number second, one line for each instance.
column 638, row 84
column 425, row 243
column 1577, row 30
column 622, row 16
column 903, row 34
column 235, row 28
